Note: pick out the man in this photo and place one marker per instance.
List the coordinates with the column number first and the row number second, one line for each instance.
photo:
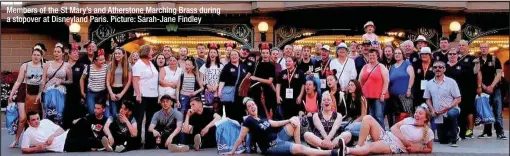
column 471, row 85
column 410, row 54
column 121, row 131
column 288, row 51
column 491, row 75
column 306, row 64
column 442, row 53
column 243, row 58
column 318, row 47
column 92, row 124
column 200, row 123
column 167, row 52
column 421, row 41
column 321, row 67
column 297, row 51
column 363, row 58
column 202, row 55
column 353, row 48
column 443, row 96
column 166, row 124
column 44, row 135
column 281, row 60
column 91, row 48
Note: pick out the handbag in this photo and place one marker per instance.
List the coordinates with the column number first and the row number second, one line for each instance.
column 21, row 93
column 11, row 117
column 228, row 92
column 484, row 113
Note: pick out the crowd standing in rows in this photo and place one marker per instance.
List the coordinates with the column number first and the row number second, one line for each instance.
column 93, row 103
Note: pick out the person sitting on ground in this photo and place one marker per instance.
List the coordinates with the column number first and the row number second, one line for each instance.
column 121, row 130
column 272, row 140
column 165, row 126
column 327, row 127
column 199, row 123
column 411, row 135
column 44, row 135
column 92, row 124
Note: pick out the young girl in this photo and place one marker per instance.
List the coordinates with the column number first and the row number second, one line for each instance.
column 168, row 77
column 118, row 79
column 210, row 72
column 95, row 75
column 369, row 32
column 190, row 85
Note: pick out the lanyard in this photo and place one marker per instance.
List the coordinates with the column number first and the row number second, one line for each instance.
column 290, row 76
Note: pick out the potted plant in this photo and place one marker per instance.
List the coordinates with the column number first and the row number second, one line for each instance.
column 8, row 79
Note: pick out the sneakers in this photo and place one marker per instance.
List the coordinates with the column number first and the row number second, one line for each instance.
column 341, row 148
column 454, row 144
column 178, row 148
column 197, row 142
column 502, row 137
column 120, row 149
column 469, row 134
column 484, row 136
column 106, row 144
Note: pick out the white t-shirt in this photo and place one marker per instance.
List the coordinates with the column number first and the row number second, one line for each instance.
column 170, row 76
column 414, row 134
column 37, row 136
column 283, row 62
column 211, row 74
column 349, row 71
column 148, row 78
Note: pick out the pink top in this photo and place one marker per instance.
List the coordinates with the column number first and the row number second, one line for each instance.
column 372, row 86
column 311, row 104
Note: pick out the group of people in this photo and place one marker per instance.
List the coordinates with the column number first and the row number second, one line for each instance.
column 344, row 99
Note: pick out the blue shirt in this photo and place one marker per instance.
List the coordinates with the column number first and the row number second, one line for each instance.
column 399, row 79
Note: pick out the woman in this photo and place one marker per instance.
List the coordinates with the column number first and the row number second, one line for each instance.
column 422, row 73
column 210, row 72
column 336, row 94
column 189, row 85
column 356, row 107
column 118, row 79
column 271, row 142
column 290, row 88
column 133, row 58
column 160, row 62
column 91, row 48
column 401, row 83
column 311, row 103
column 374, row 80
column 168, row 78
column 145, row 84
column 388, row 57
column 75, row 107
column 262, row 82
column 55, row 75
column 27, row 86
column 230, row 78
column 228, row 48
column 327, row 123
column 274, row 58
column 411, row 135
column 95, row 75
column 345, row 67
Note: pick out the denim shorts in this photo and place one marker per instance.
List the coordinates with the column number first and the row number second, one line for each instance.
column 281, row 145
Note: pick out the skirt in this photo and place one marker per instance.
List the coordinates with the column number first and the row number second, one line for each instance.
column 54, row 100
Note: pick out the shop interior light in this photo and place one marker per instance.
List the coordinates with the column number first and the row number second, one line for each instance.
column 455, row 26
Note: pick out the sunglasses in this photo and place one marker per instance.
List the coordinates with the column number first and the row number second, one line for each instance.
column 438, row 67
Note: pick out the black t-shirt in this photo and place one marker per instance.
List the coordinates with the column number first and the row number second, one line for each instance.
column 229, row 74
column 120, row 129
column 261, row 131
column 488, row 68
column 199, row 121
column 96, row 125
column 468, row 61
column 439, row 56
column 420, row 74
column 84, row 60
column 250, row 65
column 298, row 80
column 414, row 57
column 458, row 72
column 303, row 66
column 321, row 67
column 265, row 70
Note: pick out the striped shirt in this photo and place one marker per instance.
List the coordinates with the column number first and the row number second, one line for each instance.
column 188, row 85
column 97, row 79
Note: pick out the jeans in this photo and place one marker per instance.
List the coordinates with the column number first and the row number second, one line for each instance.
column 447, row 131
column 184, row 100
column 282, row 145
column 497, row 107
column 91, row 100
column 114, row 106
column 376, row 110
column 354, row 128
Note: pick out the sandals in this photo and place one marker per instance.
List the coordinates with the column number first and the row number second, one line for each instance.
column 14, row 144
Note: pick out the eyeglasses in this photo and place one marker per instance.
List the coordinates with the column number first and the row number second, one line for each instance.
column 438, row 67
column 449, row 54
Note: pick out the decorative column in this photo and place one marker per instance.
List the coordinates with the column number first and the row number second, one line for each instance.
column 270, row 31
